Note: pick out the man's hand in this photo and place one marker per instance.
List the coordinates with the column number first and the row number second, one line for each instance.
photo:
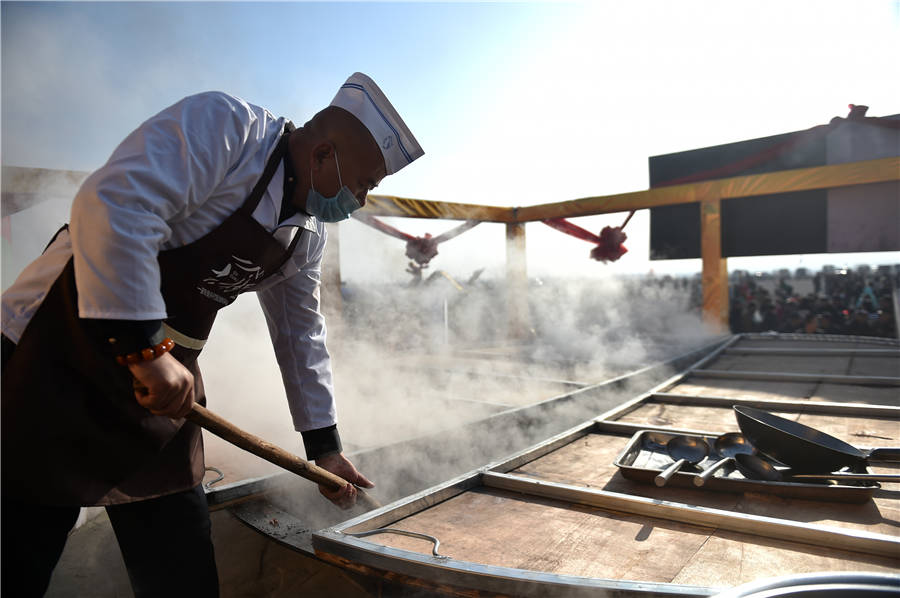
column 163, row 386
column 339, row 465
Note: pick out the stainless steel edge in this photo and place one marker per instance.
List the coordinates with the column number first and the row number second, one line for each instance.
column 489, row 578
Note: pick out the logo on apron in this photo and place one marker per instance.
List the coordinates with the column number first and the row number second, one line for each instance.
column 228, row 282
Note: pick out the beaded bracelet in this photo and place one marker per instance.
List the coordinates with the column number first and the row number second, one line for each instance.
column 148, row 354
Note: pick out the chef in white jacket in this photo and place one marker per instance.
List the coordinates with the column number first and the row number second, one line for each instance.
column 209, row 198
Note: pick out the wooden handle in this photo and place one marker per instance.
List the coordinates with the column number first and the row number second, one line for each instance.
column 271, row 453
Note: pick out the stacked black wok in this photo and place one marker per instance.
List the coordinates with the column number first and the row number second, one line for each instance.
column 810, row 454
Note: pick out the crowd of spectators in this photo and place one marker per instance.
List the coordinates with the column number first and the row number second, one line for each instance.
column 855, row 302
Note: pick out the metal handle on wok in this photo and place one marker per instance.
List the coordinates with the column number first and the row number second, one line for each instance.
column 271, row 453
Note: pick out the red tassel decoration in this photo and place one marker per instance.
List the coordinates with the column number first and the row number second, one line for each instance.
column 609, row 247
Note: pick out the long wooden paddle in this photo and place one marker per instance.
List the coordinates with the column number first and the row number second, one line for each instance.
column 227, row 431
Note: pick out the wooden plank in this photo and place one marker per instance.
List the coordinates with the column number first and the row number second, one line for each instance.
column 791, row 377
column 411, row 504
column 501, row 529
column 873, row 395
column 856, row 431
column 669, row 383
column 770, row 528
column 588, row 462
column 718, row 419
column 880, row 515
column 815, row 341
column 750, row 389
column 768, row 389
column 797, row 364
column 875, row 366
column 476, row 580
column 846, row 364
column 814, row 352
column 849, row 408
column 724, row 560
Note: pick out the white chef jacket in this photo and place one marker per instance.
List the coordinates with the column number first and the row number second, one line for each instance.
column 175, row 178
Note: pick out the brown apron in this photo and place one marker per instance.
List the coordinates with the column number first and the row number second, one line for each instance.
column 72, row 431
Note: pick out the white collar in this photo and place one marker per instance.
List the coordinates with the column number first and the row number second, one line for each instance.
column 302, row 220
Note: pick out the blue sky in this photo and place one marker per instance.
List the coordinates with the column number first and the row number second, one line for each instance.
column 514, row 103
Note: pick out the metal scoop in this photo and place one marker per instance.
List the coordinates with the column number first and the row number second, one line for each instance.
column 726, row 446
column 682, row 449
column 755, row 468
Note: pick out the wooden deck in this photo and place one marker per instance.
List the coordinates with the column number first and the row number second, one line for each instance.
column 561, row 519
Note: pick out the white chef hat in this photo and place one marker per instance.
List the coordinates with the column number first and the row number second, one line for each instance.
column 364, row 100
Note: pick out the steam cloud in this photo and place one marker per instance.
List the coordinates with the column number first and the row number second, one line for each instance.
column 420, row 362
column 406, row 373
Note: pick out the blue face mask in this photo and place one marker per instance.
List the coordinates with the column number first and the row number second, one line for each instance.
column 331, row 209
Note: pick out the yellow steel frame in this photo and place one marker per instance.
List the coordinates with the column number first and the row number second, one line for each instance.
column 819, row 177
column 709, row 193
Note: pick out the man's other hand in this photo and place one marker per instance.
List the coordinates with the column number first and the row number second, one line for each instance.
column 163, row 386
column 339, row 465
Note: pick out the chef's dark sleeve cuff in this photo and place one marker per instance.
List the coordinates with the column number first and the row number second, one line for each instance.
column 321, row 442
column 120, row 337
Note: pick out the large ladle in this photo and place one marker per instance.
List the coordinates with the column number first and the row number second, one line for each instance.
column 273, row 454
column 682, row 449
column 229, row 432
column 755, row 468
column 726, row 446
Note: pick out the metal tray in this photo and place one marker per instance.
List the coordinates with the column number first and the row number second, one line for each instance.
column 645, row 456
